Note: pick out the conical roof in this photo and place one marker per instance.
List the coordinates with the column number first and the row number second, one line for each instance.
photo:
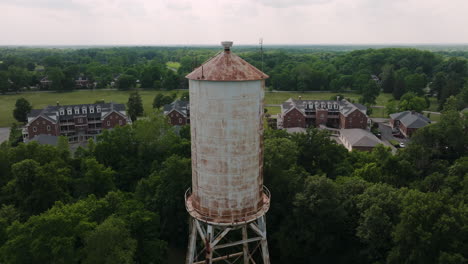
column 226, row 66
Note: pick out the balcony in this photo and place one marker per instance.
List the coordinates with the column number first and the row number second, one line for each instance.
column 94, row 121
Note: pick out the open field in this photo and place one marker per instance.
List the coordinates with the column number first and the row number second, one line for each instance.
column 173, row 65
column 41, row 99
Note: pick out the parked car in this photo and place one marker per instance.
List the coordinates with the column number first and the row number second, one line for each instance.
column 402, row 145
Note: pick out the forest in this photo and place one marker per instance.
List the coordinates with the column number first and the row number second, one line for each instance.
column 438, row 73
column 121, row 199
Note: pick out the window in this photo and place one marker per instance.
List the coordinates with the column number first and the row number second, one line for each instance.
column 48, row 128
column 180, row 120
column 35, row 129
column 43, row 122
column 120, row 122
column 80, row 120
column 77, row 111
column 69, row 111
column 98, row 109
column 108, row 123
column 62, row 112
column 84, row 110
column 91, row 109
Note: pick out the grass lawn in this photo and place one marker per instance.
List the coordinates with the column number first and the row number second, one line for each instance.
column 173, row 64
column 434, row 117
column 42, row 99
column 379, row 112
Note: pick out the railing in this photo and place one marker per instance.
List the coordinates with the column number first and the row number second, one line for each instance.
column 188, row 193
column 267, row 192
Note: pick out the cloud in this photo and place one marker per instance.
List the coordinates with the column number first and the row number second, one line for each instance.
column 291, row 3
column 46, row 4
column 181, row 5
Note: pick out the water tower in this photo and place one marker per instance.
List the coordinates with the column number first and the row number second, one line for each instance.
column 227, row 202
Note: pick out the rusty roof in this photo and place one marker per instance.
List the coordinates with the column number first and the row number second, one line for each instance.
column 226, row 66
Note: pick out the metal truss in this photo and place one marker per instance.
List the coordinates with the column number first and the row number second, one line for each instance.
column 245, row 243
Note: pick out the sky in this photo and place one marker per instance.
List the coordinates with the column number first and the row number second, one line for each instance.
column 207, row 22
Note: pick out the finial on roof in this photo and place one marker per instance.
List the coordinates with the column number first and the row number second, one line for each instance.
column 227, row 45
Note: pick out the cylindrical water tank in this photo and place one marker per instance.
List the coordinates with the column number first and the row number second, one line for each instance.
column 226, row 119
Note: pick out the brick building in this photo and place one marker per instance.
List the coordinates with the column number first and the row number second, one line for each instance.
column 313, row 113
column 408, row 122
column 178, row 113
column 77, row 122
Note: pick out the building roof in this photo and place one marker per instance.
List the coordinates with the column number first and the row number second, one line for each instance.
column 51, row 112
column 343, row 106
column 182, row 107
column 45, row 139
column 411, row 119
column 226, row 66
column 360, row 138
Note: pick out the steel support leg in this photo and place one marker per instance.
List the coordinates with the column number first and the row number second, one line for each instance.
column 209, row 248
column 192, row 243
column 227, row 246
column 246, row 245
column 264, row 243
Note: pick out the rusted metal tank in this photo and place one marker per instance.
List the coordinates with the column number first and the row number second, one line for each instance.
column 226, row 119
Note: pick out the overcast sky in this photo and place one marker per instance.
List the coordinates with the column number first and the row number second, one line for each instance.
column 182, row 22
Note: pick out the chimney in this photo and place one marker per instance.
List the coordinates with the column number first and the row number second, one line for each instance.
column 300, row 97
column 227, row 45
column 58, row 103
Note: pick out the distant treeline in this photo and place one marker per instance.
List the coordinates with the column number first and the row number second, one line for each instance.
column 292, row 68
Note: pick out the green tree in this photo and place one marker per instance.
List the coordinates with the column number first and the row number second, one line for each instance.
column 185, row 96
column 16, row 136
column 35, row 188
column 318, row 207
column 400, row 89
column 95, row 179
column 410, row 101
column 4, row 82
column 379, row 208
column 388, row 78
column 170, row 80
column 370, row 92
column 63, row 147
column 391, row 107
column 416, row 83
column 135, row 106
column 18, row 76
column 57, row 77
column 126, row 82
column 431, row 229
column 22, row 109
column 163, row 192
column 150, row 75
column 158, row 101
column 52, row 237
column 110, row 242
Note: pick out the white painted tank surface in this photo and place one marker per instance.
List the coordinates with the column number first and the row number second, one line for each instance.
column 226, row 119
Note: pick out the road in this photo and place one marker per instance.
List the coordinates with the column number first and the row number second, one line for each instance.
column 4, row 134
